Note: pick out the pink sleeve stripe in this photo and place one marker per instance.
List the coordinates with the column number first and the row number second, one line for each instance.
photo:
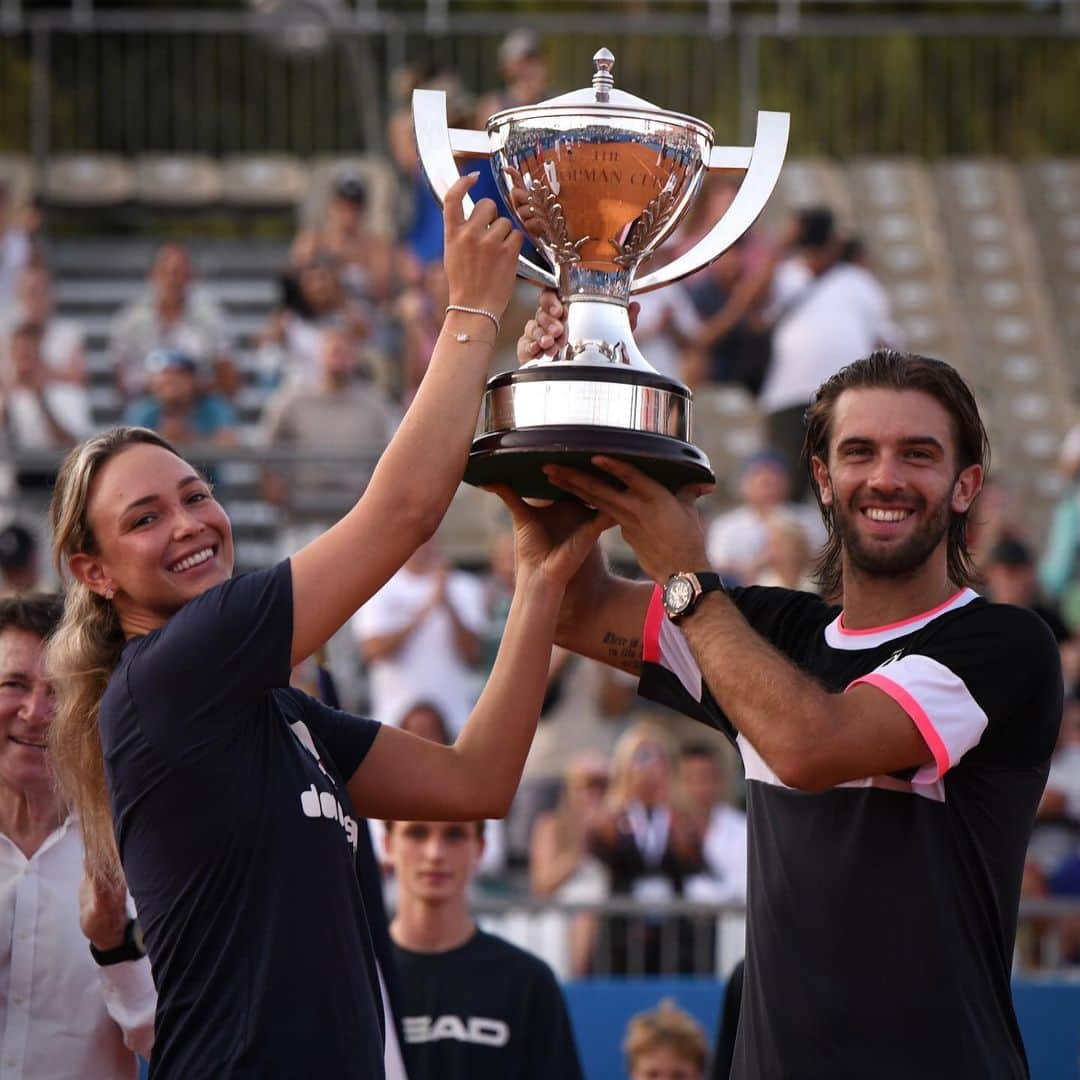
column 918, row 716
column 654, row 617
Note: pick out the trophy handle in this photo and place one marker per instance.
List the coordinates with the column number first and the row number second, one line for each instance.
column 762, row 163
column 437, row 143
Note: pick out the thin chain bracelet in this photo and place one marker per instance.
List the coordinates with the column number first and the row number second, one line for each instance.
column 462, row 338
column 475, row 311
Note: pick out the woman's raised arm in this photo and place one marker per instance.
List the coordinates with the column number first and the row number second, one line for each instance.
column 421, row 468
column 404, row 776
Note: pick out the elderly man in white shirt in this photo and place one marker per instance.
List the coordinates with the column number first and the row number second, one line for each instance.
column 76, row 996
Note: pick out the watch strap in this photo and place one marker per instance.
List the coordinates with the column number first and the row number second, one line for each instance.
column 708, row 581
column 131, row 948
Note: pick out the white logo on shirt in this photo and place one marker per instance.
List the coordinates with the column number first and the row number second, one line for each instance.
column 481, row 1030
column 323, row 804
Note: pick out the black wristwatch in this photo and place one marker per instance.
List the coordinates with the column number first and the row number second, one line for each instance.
column 131, row 948
column 682, row 591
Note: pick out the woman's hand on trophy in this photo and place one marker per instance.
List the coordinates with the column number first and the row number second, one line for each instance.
column 545, row 332
column 553, row 540
column 480, row 252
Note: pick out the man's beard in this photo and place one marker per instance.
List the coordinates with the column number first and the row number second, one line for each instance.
column 900, row 558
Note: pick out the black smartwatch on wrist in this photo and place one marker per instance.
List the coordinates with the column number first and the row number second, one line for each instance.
column 683, row 590
column 131, row 948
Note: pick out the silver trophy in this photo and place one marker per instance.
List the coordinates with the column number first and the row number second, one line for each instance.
column 598, row 179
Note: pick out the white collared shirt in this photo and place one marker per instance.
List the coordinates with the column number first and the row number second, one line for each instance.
column 61, row 1015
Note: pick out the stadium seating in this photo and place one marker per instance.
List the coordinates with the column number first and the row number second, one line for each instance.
column 981, row 260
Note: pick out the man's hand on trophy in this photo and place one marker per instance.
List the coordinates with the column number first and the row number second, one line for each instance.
column 664, row 530
column 480, row 253
column 545, row 333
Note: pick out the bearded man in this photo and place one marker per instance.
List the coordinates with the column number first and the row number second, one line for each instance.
column 896, row 744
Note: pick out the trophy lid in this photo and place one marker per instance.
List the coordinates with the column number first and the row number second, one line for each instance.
column 601, row 96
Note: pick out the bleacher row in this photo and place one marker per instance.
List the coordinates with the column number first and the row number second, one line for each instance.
column 981, row 260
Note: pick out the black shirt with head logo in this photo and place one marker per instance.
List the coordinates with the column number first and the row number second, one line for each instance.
column 486, row 1010
column 882, row 913
column 238, row 842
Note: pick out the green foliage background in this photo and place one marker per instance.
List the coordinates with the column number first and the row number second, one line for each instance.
column 892, row 93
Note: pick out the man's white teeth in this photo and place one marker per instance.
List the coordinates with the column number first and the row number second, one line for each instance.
column 875, row 513
column 192, row 560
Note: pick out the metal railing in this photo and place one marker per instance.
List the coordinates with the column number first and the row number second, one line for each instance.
column 714, row 933
column 995, row 77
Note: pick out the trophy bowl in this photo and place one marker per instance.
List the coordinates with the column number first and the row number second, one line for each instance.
column 598, row 179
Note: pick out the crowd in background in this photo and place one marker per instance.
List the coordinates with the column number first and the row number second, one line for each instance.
column 617, row 801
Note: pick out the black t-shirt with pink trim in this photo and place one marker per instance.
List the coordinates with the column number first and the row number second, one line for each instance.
column 882, row 913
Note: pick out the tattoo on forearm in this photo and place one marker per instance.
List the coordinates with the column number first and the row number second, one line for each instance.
column 624, row 652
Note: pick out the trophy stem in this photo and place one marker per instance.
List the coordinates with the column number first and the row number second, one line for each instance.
column 598, row 332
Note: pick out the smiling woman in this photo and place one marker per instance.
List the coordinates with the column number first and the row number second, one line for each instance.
column 229, row 798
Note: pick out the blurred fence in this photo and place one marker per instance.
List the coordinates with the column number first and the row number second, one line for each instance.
column 681, row 937
column 319, row 80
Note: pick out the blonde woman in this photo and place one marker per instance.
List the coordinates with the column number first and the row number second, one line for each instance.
column 560, row 862
column 649, row 842
column 233, row 799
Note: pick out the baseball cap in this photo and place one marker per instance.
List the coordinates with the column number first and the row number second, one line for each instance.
column 349, row 186
column 170, row 360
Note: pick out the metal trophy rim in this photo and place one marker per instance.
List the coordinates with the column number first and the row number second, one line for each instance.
column 528, row 112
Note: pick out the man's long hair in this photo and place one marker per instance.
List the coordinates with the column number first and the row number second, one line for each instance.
column 888, row 369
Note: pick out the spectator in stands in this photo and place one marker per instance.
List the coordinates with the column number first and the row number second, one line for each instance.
column 738, row 538
column 475, row 1006
column 420, row 636
column 42, row 412
column 1011, row 579
column 560, row 863
column 365, row 256
column 1053, row 861
column 728, row 299
column 340, row 414
column 173, row 313
column 723, row 826
column 314, row 299
column 62, row 340
column 651, row 844
column 66, row 1012
column 667, row 322
column 15, row 248
column 824, row 313
column 788, row 559
column 665, row 1044
column 176, row 406
column 19, row 564
column 524, row 70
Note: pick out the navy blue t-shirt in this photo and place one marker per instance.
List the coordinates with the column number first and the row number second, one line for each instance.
column 237, row 838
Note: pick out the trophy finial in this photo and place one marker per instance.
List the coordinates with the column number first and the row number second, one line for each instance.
column 603, row 80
